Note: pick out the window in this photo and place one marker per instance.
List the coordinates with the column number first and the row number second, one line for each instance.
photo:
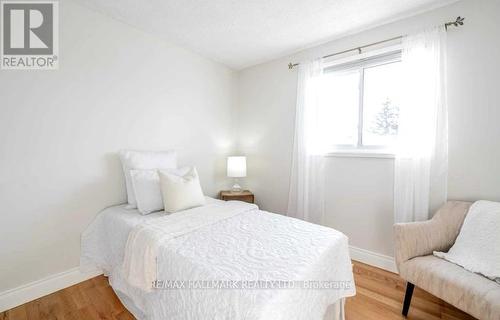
column 360, row 103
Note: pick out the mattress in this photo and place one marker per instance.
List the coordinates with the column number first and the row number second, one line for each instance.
column 253, row 247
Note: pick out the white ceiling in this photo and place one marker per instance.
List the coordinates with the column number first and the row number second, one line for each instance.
column 242, row 33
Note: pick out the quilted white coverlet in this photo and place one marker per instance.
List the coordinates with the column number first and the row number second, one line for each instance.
column 222, row 241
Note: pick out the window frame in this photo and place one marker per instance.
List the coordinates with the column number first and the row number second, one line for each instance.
column 361, row 62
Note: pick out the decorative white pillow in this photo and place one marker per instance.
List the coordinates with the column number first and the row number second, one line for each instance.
column 144, row 160
column 146, row 184
column 181, row 192
column 477, row 246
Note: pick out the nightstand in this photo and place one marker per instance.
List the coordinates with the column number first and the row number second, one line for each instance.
column 244, row 195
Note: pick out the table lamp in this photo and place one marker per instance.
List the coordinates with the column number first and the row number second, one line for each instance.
column 236, row 168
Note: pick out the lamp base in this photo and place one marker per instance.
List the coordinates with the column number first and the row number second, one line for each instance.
column 236, row 188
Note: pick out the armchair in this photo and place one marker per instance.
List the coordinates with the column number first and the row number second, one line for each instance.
column 414, row 244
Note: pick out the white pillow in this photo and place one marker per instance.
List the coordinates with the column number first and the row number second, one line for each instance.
column 477, row 246
column 181, row 192
column 146, row 184
column 144, row 160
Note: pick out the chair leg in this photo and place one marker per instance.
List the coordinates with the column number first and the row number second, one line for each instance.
column 407, row 301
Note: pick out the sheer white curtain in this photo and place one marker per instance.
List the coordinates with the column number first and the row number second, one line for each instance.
column 306, row 197
column 422, row 151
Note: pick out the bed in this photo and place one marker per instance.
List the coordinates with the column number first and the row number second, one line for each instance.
column 224, row 260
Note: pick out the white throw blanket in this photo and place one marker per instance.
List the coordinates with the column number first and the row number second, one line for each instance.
column 142, row 249
column 477, row 246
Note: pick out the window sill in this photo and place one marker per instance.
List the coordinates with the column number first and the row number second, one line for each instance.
column 359, row 153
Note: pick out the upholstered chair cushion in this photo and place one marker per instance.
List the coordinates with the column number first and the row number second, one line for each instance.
column 466, row 290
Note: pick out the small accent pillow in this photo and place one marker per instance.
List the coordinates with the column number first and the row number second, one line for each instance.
column 147, row 189
column 477, row 246
column 144, row 160
column 181, row 192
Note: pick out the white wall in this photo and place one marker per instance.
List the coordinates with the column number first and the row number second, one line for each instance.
column 360, row 190
column 59, row 132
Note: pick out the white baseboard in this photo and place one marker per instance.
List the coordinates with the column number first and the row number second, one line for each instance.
column 34, row 290
column 374, row 259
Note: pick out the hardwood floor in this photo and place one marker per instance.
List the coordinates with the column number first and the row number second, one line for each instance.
column 88, row 300
column 379, row 296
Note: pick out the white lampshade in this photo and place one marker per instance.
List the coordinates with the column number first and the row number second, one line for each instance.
column 237, row 167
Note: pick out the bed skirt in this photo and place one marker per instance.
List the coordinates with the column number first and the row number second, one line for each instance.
column 334, row 311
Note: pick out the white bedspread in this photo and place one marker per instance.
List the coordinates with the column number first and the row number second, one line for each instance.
column 221, row 242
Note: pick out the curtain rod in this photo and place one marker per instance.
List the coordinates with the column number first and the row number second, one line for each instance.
column 459, row 21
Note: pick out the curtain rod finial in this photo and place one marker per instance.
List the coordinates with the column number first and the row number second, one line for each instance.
column 459, row 21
